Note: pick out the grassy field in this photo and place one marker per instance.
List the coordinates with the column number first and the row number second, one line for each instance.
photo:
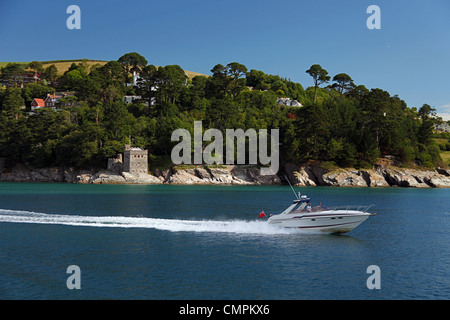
column 445, row 155
column 61, row 65
column 2, row 64
column 192, row 74
column 64, row 65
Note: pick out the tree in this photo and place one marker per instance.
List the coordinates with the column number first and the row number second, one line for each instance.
column 132, row 62
column 258, row 80
column 50, row 73
column 358, row 92
column 11, row 71
column 314, row 131
column 217, row 84
column 36, row 66
column 117, row 120
column 109, row 79
column 170, row 81
column 78, row 148
column 343, row 83
column 319, row 76
column 197, row 93
column 236, row 72
column 35, row 90
column 72, row 78
column 18, row 144
column 427, row 114
column 162, row 86
column 146, row 85
column 7, row 125
column 223, row 114
column 375, row 107
column 227, row 81
column 13, row 102
column 279, row 87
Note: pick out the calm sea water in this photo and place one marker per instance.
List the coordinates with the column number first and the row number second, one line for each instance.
column 207, row 242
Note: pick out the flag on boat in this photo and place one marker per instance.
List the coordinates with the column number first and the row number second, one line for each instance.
column 262, row 214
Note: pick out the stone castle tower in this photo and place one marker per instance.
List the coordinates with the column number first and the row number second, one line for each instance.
column 135, row 161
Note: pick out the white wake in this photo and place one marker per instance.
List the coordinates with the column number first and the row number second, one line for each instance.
column 174, row 225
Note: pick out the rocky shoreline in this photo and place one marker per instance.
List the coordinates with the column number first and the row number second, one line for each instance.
column 312, row 174
column 379, row 176
column 227, row 175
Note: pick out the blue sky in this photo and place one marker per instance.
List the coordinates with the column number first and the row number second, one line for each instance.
column 408, row 56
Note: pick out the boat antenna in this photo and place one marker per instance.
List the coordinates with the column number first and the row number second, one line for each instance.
column 298, row 198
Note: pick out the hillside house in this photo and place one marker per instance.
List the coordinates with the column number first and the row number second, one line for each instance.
column 53, row 101
column 21, row 79
column 37, row 103
column 131, row 99
column 50, row 101
column 443, row 127
column 288, row 102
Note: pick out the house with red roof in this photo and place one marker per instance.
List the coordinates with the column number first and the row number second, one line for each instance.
column 50, row 101
column 37, row 103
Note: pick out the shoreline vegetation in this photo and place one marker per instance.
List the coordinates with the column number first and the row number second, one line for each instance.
column 337, row 133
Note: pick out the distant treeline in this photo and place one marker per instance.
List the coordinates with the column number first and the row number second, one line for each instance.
column 340, row 122
column 72, row 60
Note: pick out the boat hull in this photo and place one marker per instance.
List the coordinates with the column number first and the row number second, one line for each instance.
column 330, row 222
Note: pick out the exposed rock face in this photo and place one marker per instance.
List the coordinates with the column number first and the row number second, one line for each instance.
column 252, row 175
column 416, row 178
column 376, row 179
column 346, row 178
column 380, row 176
column 238, row 175
column 21, row 173
column 312, row 174
column 109, row 177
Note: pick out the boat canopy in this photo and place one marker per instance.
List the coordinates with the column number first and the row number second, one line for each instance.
column 302, row 199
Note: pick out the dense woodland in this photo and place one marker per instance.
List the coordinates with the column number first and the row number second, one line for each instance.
column 340, row 123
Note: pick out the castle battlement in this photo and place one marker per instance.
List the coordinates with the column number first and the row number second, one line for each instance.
column 134, row 161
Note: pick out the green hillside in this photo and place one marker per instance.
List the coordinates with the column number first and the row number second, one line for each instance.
column 64, row 65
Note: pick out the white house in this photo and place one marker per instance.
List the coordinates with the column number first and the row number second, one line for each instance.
column 443, row 127
column 288, row 102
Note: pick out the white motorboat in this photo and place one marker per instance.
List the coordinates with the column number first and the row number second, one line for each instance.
column 300, row 214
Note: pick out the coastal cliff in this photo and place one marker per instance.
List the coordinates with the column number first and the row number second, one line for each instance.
column 312, row 174
column 380, row 176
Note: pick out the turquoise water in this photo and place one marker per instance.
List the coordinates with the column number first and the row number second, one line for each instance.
column 207, row 242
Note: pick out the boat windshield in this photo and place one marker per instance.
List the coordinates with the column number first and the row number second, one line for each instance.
column 305, row 209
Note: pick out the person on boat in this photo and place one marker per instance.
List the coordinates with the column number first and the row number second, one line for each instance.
column 309, row 207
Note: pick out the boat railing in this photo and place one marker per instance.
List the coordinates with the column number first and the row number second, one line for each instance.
column 364, row 208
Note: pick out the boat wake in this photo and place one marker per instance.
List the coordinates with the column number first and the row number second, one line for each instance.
column 174, row 225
